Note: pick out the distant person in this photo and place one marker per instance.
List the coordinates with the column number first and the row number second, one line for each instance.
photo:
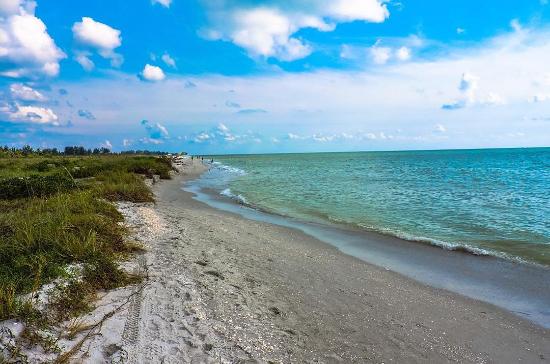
column 212, row 160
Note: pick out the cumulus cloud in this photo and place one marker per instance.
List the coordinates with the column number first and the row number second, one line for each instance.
column 106, row 144
column 26, row 48
column 382, row 54
column 267, row 29
column 222, row 134
column 468, row 88
column 9, row 6
column 22, row 92
column 152, row 73
column 83, row 59
column 86, row 114
column 165, row 3
column 99, row 37
column 148, row 140
column 168, row 60
column 155, row 131
column 293, row 136
column 403, row 54
column 202, row 137
column 32, row 114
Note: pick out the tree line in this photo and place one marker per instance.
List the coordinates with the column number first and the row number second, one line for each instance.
column 68, row 151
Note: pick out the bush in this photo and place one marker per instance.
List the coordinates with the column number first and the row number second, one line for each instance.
column 48, row 221
column 35, row 186
column 123, row 186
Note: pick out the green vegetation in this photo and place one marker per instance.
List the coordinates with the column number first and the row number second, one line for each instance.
column 56, row 211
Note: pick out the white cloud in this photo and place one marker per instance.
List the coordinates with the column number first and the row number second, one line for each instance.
column 33, row 114
column 26, row 48
column 100, row 37
column 468, row 88
column 165, row 3
column 380, row 55
column 373, row 11
column 515, row 24
column 97, row 35
column 400, row 95
column 460, row 30
column 440, row 128
column 202, row 137
column 8, row 7
column 147, row 140
column 222, row 134
column 346, row 52
column 127, row 142
column 155, row 130
column 168, row 60
column 223, row 128
column 83, row 59
column 267, row 30
column 106, row 144
column 25, row 93
column 152, row 73
column 403, row 54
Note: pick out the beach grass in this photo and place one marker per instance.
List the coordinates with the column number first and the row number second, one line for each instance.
column 57, row 212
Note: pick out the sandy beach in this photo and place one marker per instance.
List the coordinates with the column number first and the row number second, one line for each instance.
column 223, row 289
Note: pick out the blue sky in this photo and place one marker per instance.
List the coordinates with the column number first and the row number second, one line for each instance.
column 234, row 76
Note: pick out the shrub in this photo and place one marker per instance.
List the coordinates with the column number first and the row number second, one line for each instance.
column 35, row 186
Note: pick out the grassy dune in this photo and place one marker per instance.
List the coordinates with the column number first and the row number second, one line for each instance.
column 57, row 211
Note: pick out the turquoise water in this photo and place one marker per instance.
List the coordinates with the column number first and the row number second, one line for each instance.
column 483, row 201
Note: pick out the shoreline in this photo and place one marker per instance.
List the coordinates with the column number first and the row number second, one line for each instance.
column 415, row 306
column 222, row 288
column 230, row 198
column 518, row 287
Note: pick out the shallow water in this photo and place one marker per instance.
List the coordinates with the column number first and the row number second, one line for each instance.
column 483, row 201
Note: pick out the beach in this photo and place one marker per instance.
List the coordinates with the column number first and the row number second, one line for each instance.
column 221, row 288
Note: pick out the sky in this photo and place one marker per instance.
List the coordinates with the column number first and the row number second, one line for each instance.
column 263, row 76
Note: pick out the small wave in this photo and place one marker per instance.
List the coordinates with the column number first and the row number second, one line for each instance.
column 446, row 245
column 232, row 170
column 239, row 198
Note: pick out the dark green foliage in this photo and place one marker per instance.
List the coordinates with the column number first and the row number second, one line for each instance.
column 35, row 185
column 55, row 212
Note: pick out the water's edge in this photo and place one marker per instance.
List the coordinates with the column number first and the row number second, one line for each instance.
column 518, row 288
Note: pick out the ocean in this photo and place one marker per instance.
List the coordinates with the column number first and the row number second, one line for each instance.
column 485, row 202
